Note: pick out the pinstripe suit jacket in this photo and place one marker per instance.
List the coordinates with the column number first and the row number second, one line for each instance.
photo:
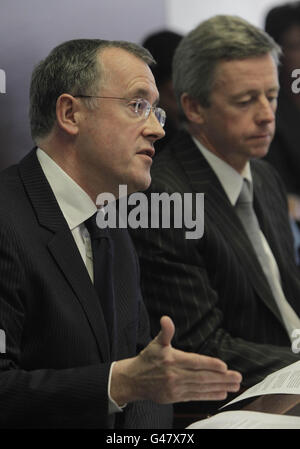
column 55, row 369
column 213, row 287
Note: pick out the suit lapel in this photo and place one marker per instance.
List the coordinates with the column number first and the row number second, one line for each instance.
column 63, row 248
column 220, row 212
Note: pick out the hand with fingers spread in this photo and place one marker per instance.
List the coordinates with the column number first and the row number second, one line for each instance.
column 166, row 375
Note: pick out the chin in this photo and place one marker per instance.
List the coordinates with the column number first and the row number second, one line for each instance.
column 259, row 152
column 140, row 185
column 144, row 185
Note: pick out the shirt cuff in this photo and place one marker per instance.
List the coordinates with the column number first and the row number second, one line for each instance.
column 113, row 407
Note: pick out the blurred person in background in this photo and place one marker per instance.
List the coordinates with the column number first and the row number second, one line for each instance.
column 283, row 24
column 162, row 46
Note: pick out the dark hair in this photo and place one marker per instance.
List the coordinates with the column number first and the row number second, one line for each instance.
column 73, row 68
column 281, row 18
column 162, row 46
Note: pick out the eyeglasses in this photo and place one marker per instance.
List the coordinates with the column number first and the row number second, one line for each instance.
column 140, row 106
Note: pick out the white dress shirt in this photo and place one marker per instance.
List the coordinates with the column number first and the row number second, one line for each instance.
column 76, row 206
column 232, row 183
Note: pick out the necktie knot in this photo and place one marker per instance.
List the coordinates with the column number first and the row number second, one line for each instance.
column 94, row 230
column 245, row 195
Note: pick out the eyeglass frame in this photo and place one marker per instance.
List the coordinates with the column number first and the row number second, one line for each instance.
column 146, row 113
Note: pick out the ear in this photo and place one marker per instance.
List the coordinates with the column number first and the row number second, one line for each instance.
column 192, row 109
column 67, row 113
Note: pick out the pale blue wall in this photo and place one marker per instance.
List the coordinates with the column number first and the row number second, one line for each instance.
column 185, row 15
column 29, row 29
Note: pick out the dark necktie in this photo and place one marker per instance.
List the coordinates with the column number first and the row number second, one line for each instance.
column 103, row 253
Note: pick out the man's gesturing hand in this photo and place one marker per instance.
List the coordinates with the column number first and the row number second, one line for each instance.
column 166, row 375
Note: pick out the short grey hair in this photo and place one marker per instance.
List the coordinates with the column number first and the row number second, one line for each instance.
column 221, row 38
column 71, row 67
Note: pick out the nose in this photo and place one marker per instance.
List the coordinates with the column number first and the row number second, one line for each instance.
column 153, row 128
column 266, row 111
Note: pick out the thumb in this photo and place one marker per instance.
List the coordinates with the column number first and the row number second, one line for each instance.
column 167, row 331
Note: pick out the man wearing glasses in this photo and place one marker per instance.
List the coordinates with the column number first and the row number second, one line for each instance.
column 78, row 352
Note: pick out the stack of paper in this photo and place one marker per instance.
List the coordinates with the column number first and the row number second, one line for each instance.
column 284, row 381
column 242, row 419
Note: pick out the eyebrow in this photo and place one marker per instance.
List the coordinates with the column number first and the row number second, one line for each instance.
column 254, row 92
column 142, row 93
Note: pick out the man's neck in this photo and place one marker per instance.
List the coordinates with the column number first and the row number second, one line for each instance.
column 237, row 162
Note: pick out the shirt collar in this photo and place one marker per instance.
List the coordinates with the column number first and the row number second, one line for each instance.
column 74, row 202
column 229, row 178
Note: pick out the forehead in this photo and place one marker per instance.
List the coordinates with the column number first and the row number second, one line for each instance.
column 125, row 74
column 255, row 73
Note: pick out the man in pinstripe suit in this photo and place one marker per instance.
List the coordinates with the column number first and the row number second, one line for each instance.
column 214, row 288
column 61, row 367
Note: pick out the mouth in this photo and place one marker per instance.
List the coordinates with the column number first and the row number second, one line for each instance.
column 262, row 136
column 150, row 152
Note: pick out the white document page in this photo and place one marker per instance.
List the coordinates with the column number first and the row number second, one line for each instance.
column 284, row 381
column 242, row 419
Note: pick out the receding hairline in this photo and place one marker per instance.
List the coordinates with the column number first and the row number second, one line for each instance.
column 106, row 71
column 114, row 46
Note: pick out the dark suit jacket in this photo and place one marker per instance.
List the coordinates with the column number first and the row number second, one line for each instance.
column 55, row 369
column 213, row 287
column 284, row 151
